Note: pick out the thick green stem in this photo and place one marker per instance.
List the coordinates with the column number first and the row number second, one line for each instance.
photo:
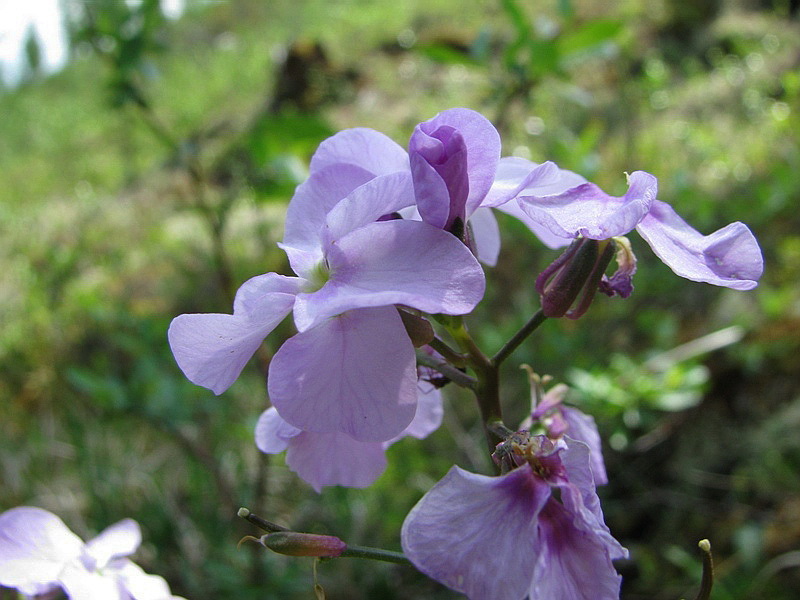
column 375, row 554
column 456, row 376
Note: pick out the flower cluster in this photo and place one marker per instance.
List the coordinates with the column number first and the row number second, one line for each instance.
column 40, row 555
column 381, row 239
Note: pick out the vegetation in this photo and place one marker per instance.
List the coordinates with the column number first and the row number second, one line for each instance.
column 149, row 178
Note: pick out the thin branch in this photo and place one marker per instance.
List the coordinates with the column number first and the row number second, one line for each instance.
column 446, row 369
column 519, row 337
column 259, row 522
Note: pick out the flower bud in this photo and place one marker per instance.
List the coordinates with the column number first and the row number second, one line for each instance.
column 293, row 543
column 567, row 286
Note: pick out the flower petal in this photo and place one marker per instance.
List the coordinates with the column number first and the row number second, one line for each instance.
column 482, row 143
column 366, row 204
column 141, row 585
column 362, row 147
column 518, row 176
column 212, row 349
column 34, row 547
column 547, row 237
column 323, row 459
column 120, row 539
column 395, row 262
column 582, row 427
column 477, row 534
column 485, row 236
column 729, row 257
column 588, row 211
column 273, row 433
column 82, row 584
column 354, row 374
column 432, row 195
column 573, row 564
column 312, row 201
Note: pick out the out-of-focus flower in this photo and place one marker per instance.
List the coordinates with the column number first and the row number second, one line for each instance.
column 535, row 531
column 39, row 555
column 729, row 257
column 323, row 459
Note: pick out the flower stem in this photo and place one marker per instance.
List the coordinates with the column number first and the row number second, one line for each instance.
column 708, row 571
column 350, row 552
column 519, row 337
column 453, row 374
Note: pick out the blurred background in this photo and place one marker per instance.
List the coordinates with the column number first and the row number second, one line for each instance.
column 147, row 153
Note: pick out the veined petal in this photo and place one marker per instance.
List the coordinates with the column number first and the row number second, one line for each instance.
column 588, row 211
column 485, row 236
column 366, row 204
column 547, row 237
column 34, row 547
column 212, row 349
column 120, row 539
column 477, row 534
column 313, row 199
column 729, row 257
column 355, row 374
column 582, row 427
column 323, row 459
column 395, row 262
column 516, row 176
column 273, row 433
column 429, row 414
column 572, row 564
column 362, row 147
column 482, row 144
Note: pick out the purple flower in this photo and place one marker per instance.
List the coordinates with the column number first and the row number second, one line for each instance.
column 536, row 531
column 323, row 459
column 39, row 555
column 456, row 172
column 351, row 368
column 559, row 419
column 729, row 257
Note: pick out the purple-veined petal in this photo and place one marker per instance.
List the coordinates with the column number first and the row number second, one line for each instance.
column 588, row 211
column 212, row 349
column 485, row 236
column 395, row 262
column 478, row 534
column 517, row 176
column 582, row 427
column 572, row 564
column 729, row 257
column 34, row 547
column 482, row 145
column 273, row 433
column 429, row 413
column 323, row 459
column 366, row 204
column 313, row 199
column 355, row 374
column 362, row 147
column 579, row 495
column 120, row 539
column 547, row 237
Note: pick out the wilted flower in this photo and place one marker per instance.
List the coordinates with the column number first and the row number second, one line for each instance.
column 535, row 531
column 39, row 555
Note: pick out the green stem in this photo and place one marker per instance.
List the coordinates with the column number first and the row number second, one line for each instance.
column 519, row 337
column 375, row 554
column 707, row 581
column 456, row 376
column 259, row 522
column 450, row 355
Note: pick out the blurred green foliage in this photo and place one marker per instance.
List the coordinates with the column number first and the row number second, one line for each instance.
column 150, row 177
